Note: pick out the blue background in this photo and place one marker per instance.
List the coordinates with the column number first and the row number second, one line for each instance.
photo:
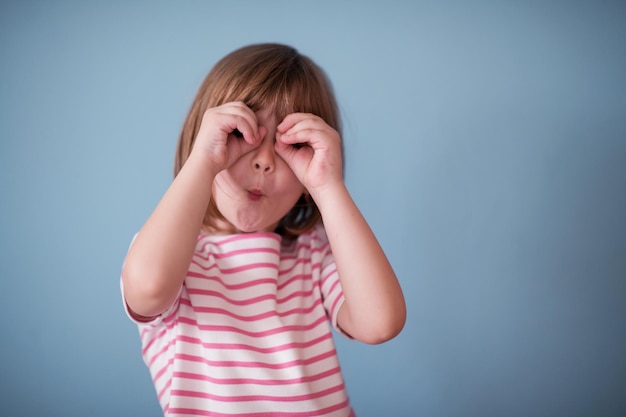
column 485, row 142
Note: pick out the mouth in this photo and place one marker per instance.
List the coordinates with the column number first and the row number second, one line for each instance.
column 255, row 194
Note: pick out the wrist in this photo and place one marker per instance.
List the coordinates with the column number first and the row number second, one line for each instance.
column 330, row 195
column 202, row 162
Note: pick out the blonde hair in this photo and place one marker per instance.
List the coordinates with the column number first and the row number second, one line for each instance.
column 264, row 76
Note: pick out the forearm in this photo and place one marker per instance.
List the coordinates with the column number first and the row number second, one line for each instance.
column 374, row 308
column 158, row 259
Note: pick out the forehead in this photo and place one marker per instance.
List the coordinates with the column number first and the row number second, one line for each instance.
column 277, row 106
column 267, row 117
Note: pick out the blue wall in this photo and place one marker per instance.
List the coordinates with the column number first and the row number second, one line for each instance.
column 486, row 144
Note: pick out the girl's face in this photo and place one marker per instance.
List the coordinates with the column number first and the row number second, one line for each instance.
column 256, row 191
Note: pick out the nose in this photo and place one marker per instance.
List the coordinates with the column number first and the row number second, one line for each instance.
column 264, row 159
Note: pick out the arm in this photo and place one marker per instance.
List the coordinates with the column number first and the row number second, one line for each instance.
column 374, row 309
column 158, row 260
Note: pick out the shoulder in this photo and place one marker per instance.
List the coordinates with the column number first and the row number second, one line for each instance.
column 313, row 243
column 314, row 237
column 319, row 237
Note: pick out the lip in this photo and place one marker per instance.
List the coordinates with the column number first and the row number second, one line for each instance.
column 255, row 194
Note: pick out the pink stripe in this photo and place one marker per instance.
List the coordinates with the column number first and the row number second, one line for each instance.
column 332, row 287
column 246, row 236
column 306, row 246
column 309, row 246
column 288, row 255
column 154, row 356
column 244, row 364
column 266, row 333
column 302, row 246
column 321, row 412
column 249, row 301
column 246, row 267
column 304, row 294
column 243, row 398
column 257, row 317
column 158, row 336
column 243, row 285
column 331, row 273
column 222, row 255
column 165, row 388
column 161, row 371
column 248, row 284
column 159, row 353
column 292, row 267
column 237, row 252
column 334, row 306
column 252, row 348
column 252, row 381
column 217, row 294
column 299, row 277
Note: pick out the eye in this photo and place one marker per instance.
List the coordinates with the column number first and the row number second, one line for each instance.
column 298, row 145
column 237, row 133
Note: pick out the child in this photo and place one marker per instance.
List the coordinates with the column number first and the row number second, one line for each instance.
column 256, row 249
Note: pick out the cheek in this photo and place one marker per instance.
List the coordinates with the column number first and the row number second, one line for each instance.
column 291, row 184
column 223, row 196
column 226, row 182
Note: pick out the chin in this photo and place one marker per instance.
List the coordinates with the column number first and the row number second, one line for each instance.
column 258, row 230
column 253, row 227
column 250, row 221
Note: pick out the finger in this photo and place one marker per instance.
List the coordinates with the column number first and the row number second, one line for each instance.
column 291, row 154
column 300, row 137
column 284, row 150
column 246, row 124
column 311, row 124
column 242, row 127
column 262, row 131
column 291, row 120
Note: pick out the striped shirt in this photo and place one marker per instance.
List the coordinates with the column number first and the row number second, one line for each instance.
column 250, row 332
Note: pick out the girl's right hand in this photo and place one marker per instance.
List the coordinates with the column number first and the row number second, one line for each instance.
column 227, row 132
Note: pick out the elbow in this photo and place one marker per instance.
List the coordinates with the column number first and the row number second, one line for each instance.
column 143, row 292
column 387, row 329
column 377, row 328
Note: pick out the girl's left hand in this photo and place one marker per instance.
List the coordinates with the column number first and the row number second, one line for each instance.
column 312, row 149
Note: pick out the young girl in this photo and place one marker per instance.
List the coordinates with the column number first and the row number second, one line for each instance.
column 256, row 249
